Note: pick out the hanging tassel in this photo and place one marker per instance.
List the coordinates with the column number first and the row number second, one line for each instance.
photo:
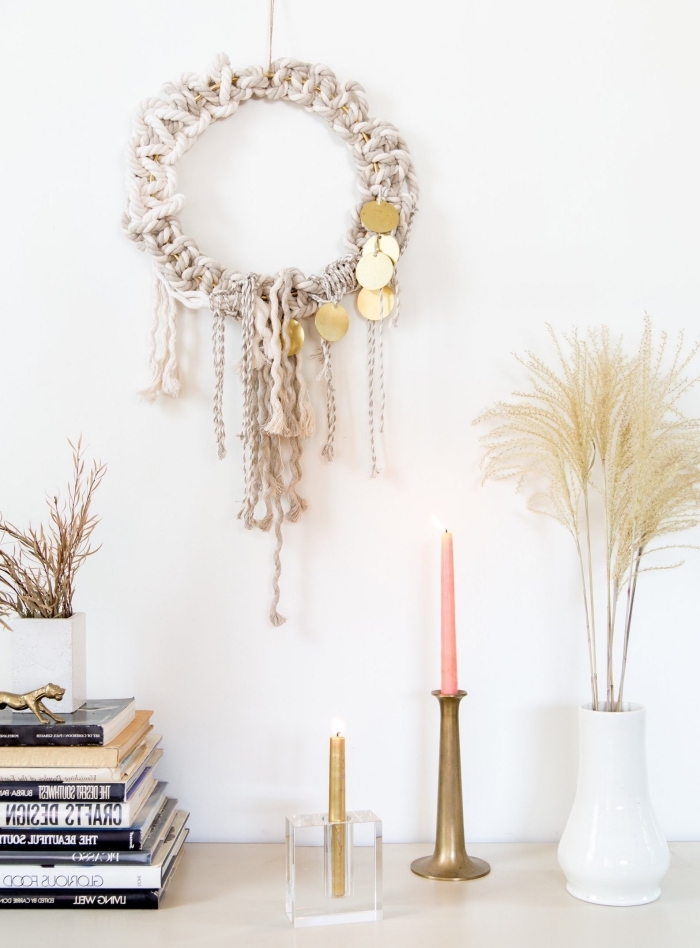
column 336, row 281
column 218, row 334
column 397, row 302
column 249, row 382
column 328, row 451
column 299, row 415
column 371, row 358
column 382, row 397
column 276, row 354
column 277, row 413
column 276, row 472
column 275, row 618
column 163, row 358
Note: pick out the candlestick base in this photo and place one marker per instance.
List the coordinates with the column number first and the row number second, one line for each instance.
column 334, row 870
column 450, row 861
column 459, row 869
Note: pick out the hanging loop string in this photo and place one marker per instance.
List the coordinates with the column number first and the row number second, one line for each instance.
column 272, row 24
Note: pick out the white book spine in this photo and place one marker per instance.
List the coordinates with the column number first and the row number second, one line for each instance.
column 67, row 877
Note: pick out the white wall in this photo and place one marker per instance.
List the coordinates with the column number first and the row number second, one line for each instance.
column 557, row 150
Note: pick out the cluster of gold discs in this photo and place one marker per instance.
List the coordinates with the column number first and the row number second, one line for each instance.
column 374, row 273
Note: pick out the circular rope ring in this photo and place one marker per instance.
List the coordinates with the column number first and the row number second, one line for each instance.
column 167, row 127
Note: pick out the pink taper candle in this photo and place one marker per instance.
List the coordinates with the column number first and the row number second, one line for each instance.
column 449, row 639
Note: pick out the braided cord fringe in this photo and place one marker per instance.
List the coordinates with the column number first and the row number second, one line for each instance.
column 275, row 618
column 371, row 359
column 163, row 360
column 328, row 451
column 218, row 339
column 248, row 434
column 277, row 413
column 382, row 395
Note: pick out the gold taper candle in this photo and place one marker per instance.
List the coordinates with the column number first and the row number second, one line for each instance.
column 336, row 813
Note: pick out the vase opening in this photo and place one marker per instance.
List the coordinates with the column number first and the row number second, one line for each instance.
column 604, row 707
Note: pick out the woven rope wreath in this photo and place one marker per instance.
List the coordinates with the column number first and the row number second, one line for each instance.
column 277, row 412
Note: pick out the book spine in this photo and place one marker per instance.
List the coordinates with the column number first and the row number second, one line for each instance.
column 57, row 735
column 70, row 899
column 105, row 756
column 35, row 775
column 109, row 755
column 80, row 877
column 68, row 815
column 76, row 857
column 118, row 840
column 56, row 790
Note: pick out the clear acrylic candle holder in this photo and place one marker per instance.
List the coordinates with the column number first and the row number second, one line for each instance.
column 334, row 870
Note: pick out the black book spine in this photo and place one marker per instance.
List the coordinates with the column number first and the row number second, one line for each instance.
column 118, row 840
column 54, row 735
column 76, row 899
column 94, row 857
column 58, row 791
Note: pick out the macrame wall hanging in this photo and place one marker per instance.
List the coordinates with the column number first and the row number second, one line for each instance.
column 277, row 413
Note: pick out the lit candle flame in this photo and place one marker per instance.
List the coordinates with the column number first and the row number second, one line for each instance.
column 439, row 524
column 337, row 726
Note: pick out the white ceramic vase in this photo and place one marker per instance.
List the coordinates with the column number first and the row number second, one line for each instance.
column 50, row 650
column 612, row 851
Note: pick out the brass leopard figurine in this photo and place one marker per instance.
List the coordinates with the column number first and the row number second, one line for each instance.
column 32, row 701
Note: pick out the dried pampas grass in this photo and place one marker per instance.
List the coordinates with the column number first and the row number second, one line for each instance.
column 607, row 422
column 37, row 574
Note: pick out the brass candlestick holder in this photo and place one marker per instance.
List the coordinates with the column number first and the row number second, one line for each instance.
column 450, row 860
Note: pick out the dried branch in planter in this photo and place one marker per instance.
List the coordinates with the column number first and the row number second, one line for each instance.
column 37, row 574
column 609, row 422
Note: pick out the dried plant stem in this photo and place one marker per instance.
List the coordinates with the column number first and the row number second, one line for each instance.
column 631, row 592
column 608, row 585
column 594, row 661
column 591, row 638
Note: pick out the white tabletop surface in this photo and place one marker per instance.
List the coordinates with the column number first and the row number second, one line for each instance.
column 227, row 894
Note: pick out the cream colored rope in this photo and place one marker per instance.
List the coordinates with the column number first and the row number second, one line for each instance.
column 277, row 414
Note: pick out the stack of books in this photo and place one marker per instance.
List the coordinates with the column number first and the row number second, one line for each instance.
column 84, row 821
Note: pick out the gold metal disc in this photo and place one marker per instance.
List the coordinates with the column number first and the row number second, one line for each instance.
column 380, row 217
column 368, row 302
column 374, row 271
column 385, row 243
column 295, row 337
column 332, row 322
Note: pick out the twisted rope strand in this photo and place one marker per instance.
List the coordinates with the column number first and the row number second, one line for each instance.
column 328, row 450
column 382, row 397
column 248, row 435
column 371, row 350
column 218, row 334
column 163, row 358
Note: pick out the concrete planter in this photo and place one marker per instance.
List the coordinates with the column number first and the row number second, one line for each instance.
column 50, row 650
